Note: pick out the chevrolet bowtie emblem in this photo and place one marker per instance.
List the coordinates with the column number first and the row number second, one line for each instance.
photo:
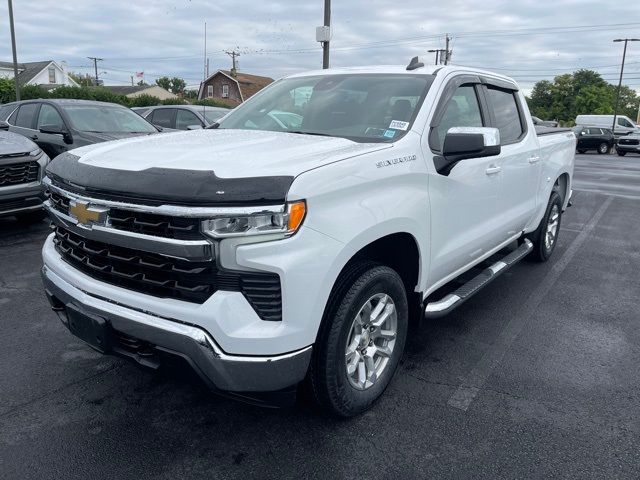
column 86, row 215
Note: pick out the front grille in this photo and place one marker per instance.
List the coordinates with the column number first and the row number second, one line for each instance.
column 629, row 141
column 17, row 173
column 178, row 228
column 168, row 277
column 6, row 205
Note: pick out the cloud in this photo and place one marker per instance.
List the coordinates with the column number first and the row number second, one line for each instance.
column 166, row 37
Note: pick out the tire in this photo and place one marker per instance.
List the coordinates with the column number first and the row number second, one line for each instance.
column 621, row 153
column 581, row 151
column 603, row 148
column 542, row 246
column 32, row 217
column 360, row 289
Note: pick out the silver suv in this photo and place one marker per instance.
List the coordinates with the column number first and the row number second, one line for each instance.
column 22, row 164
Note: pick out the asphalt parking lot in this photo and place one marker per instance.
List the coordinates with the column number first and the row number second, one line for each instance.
column 537, row 377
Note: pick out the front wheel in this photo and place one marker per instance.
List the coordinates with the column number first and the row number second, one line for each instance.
column 621, row 153
column 580, row 150
column 603, row 148
column 361, row 339
column 545, row 237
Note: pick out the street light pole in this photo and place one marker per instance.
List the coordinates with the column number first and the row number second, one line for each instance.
column 624, row 54
column 327, row 23
column 15, row 55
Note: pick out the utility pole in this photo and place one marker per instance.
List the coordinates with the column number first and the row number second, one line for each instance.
column 447, row 52
column 132, row 80
column 205, row 51
column 624, row 54
column 95, row 66
column 233, row 54
column 325, row 44
column 15, row 55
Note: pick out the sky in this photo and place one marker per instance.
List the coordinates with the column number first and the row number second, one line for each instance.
column 527, row 40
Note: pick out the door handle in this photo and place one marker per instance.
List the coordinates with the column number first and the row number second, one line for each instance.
column 534, row 159
column 493, row 169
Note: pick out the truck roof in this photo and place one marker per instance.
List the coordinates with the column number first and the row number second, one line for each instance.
column 427, row 69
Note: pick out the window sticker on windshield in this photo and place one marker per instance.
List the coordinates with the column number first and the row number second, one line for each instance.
column 398, row 125
column 389, row 133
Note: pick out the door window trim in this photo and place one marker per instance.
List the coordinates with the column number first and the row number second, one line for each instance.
column 523, row 122
column 447, row 94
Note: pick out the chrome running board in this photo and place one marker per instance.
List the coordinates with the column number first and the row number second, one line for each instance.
column 464, row 292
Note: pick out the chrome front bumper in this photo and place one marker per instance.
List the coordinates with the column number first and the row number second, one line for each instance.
column 221, row 371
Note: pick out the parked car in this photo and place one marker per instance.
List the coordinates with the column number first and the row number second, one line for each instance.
column 593, row 138
column 22, row 165
column 628, row 144
column 624, row 125
column 182, row 117
column 263, row 254
column 544, row 123
column 58, row 125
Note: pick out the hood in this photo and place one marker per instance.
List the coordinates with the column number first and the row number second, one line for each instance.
column 12, row 143
column 203, row 166
column 95, row 137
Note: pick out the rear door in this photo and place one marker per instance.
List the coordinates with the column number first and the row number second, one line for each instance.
column 52, row 144
column 163, row 117
column 519, row 158
column 23, row 120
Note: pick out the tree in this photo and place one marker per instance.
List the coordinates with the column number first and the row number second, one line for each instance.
column 174, row 85
column 82, row 80
column 581, row 92
column 164, row 82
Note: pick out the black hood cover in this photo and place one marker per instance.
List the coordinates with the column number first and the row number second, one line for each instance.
column 156, row 186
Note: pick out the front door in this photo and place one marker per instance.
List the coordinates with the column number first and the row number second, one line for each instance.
column 52, row 144
column 464, row 203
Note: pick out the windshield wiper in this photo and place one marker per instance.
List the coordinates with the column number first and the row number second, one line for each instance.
column 213, row 125
column 300, row 132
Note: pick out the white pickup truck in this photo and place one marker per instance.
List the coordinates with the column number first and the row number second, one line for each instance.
column 298, row 237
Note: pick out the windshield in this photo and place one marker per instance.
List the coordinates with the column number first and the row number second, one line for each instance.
column 213, row 114
column 107, row 119
column 359, row 107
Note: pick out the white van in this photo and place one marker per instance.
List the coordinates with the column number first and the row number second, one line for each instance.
column 624, row 125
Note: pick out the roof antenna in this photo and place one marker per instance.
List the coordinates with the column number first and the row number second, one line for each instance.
column 414, row 63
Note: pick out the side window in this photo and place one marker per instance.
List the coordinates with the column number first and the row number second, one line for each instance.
column 163, row 117
column 49, row 116
column 26, row 115
column 462, row 110
column 184, row 118
column 507, row 115
column 623, row 122
column 225, row 91
column 209, row 91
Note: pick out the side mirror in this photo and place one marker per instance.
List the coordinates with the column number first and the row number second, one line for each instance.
column 461, row 143
column 4, row 126
column 53, row 129
column 194, row 127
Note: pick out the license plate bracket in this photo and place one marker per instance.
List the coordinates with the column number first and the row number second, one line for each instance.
column 93, row 329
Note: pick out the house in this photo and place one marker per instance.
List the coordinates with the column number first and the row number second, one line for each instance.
column 133, row 91
column 46, row 73
column 231, row 86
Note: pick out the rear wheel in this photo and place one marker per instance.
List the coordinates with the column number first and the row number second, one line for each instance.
column 545, row 237
column 603, row 148
column 361, row 340
column 621, row 153
column 581, row 150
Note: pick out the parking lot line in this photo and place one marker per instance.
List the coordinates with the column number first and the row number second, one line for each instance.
column 471, row 387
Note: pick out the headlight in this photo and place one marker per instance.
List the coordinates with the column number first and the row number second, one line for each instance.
column 285, row 222
column 35, row 152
